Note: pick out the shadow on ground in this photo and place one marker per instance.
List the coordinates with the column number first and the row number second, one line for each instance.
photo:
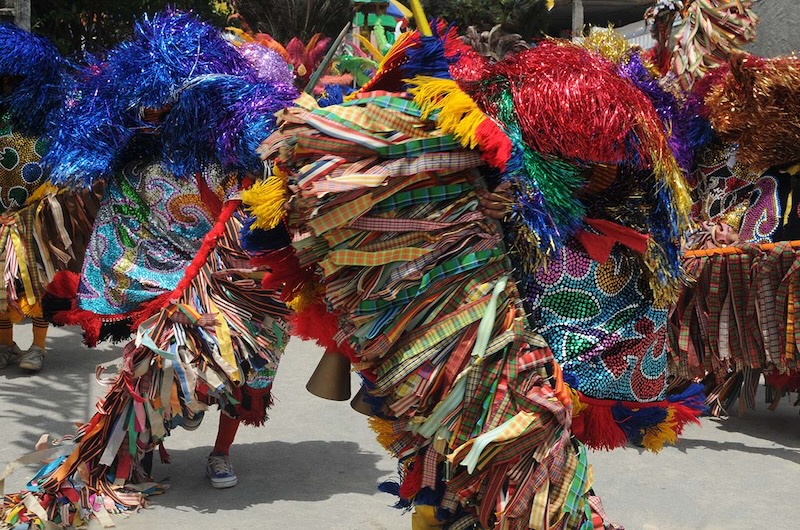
column 268, row 472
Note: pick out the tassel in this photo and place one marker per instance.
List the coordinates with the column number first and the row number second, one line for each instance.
column 412, row 482
column 635, row 422
column 457, row 114
column 385, row 432
column 265, row 200
column 662, row 433
column 600, row 431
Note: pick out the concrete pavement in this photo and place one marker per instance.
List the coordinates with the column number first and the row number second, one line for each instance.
column 315, row 465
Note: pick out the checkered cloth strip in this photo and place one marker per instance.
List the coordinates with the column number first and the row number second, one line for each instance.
column 334, row 129
column 386, row 101
column 312, row 143
column 345, row 258
column 465, row 263
column 344, row 213
column 409, row 126
column 419, row 146
column 717, row 287
column 386, row 224
column 316, row 170
column 428, row 336
column 429, row 194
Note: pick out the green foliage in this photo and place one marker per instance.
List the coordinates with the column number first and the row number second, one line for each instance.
column 527, row 17
column 284, row 19
column 97, row 25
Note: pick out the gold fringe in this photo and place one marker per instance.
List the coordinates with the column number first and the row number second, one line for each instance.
column 266, row 200
column 657, row 436
column 458, row 113
column 384, row 430
column 307, row 296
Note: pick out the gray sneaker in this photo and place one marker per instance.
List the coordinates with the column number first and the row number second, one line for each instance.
column 32, row 359
column 10, row 355
column 220, row 471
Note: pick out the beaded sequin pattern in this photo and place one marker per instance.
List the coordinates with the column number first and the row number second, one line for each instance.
column 149, row 227
column 601, row 324
column 730, row 193
column 20, row 171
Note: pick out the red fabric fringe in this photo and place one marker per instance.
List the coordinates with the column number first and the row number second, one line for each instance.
column 495, row 145
column 595, row 426
column 412, row 482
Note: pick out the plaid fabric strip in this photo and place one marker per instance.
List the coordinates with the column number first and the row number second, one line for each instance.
column 316, row 170
column 426, row 337
column 472, row 260
column 400, row 240
column 406, row 124
column 578, row 468
column 341, row 215
column 767, row 281
column 386, row 101
column 356, row 258
column 345, row 130
column 309, row 143
column 421, row 195
column 384, row 224
column 352, row 117
column 419, row 146
column 449, row 162
column 454, row 267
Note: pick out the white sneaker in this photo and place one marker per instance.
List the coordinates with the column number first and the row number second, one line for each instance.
column 33, row 359
column 10, row 355
column 220, row 471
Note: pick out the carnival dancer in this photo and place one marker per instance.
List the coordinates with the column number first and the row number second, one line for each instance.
column 42, row 227
column 396, row 267
column 735, row 322
column 170, row 122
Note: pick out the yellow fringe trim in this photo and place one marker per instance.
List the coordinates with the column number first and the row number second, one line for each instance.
column 657, row 436
column 458, row 113
column 28, row 310
column 307, row 296
column 384, row 431
column 266, row 200
column 577, row 405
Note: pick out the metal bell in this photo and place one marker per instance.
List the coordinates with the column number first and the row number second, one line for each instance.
column 331, row 379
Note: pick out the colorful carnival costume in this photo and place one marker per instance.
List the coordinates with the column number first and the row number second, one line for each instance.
column 396, row 267
column 165, row 260
column 42, row 227
column 736, row 321
column 599, row 206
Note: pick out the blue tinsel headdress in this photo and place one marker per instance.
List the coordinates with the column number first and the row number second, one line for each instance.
column 37, row 67
column 184, row 68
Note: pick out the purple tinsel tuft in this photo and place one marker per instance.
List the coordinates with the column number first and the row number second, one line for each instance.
column 682, row 120
column 268, row 64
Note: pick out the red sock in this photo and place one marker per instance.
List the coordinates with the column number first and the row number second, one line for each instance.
column 225, row 435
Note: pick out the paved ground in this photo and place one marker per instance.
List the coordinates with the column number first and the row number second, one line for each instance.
column 316, row 464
